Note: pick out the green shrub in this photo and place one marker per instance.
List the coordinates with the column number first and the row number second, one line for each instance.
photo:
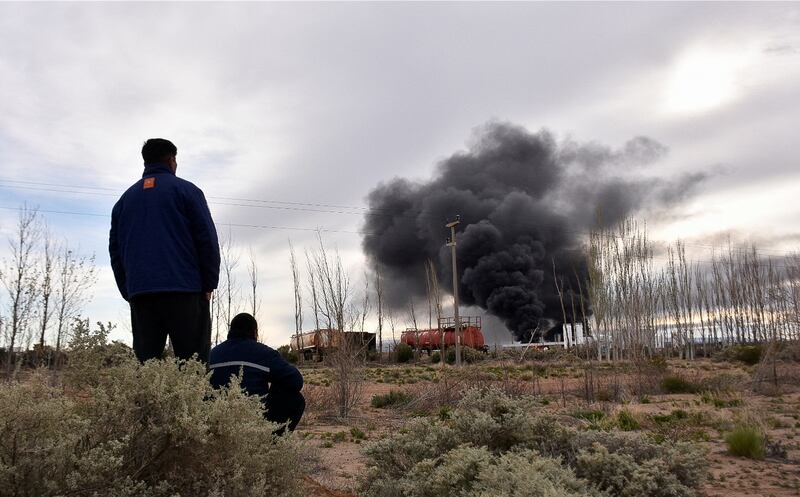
column 490, row 437
column 358, row 433
column 677, row 414
column 676, row 384
column 748, row 354
column 720, row 400
column 468, row 355
column 90, row 354
column 726, row 382
column 394, row 398
column 658, row 364
column 403, row 352
column 746, row 441
column 436, row 357
column 593, row 415
column 471, row 355
column 627, row 421
column 155, row 430
column 288, row 354
column 619, row 475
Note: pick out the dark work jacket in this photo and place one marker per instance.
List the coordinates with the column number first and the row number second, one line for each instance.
column 263, row 369
column 162, row 237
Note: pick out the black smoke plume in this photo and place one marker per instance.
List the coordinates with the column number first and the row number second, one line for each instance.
column 526, row 204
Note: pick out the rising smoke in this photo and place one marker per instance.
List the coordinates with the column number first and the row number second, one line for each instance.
column 526, row 203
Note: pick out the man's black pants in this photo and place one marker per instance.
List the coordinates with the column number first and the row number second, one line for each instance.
column 184, row 317
column 283, row 407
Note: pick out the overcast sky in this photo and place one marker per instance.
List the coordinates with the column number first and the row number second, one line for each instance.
column 318, row 103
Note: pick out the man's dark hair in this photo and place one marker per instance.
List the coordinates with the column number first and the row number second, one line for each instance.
column 243, row 326
column 158, row 150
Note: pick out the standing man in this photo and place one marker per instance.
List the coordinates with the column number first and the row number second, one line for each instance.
column 165, row 256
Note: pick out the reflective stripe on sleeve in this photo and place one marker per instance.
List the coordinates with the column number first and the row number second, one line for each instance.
column 239, row 363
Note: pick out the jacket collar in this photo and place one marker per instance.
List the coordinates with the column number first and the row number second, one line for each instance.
column 156, row 168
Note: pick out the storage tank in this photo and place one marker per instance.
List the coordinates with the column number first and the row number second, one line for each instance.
column 471, row 335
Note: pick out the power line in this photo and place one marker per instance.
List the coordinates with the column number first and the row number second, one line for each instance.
column 220, row 224
column 353, row 232
column 276, row 207
column 236, row 199
column 292, row 204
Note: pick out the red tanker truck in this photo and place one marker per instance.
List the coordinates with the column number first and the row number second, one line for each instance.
column 429, row 340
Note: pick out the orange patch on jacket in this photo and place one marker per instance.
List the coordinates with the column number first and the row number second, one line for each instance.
column 149, row 183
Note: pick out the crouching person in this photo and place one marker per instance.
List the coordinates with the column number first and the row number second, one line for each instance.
column 264, row 372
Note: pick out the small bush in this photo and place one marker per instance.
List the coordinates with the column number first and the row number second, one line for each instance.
column 436, row 357
column 394, row 398
column 748, row 354
column 720, row 400
column 403, row 352
column 746, row 441
column 590, row 415
column 619, row 474
column 471, row 356
column 494, row 445
column 154, row 430
column 676, row 415
column 288, row 354
column 676, row 384
column 468, row 355
column 627, row 421
column 725, row 382
column 358, row 433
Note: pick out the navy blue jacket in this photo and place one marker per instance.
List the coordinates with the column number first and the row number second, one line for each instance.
column 264, row 370
column 162, row 237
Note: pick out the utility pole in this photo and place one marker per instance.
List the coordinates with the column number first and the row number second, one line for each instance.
column 452, row 244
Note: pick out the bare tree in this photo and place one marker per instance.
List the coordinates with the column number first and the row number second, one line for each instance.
column 379, row 304
column 75, row 275
column 366, row 305
column 228, row 292
column 435, row 299
column 45, row 287
column 312, row 288
column 298, row 296
column 19, row 278
column 252, row 272
column 334, row 285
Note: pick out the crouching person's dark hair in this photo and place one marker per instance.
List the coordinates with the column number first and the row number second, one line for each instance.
column 243, row 325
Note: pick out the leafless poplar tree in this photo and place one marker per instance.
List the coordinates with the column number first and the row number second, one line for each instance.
column 379, row 309
column 45, row 287
column 298, row 296
column 335, row 289
column 435, row 297
column 228, row 291
column 252, row 272
column 312, row 288
column 19, row 278
column 75, row 276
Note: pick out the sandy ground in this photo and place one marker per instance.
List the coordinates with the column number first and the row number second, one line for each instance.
column 338, row 461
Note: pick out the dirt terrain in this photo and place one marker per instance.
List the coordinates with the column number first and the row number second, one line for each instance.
column 704, row 417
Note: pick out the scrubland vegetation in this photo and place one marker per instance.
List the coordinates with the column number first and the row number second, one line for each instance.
column 688, row 385
column 534, row 427
column 109, row 426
